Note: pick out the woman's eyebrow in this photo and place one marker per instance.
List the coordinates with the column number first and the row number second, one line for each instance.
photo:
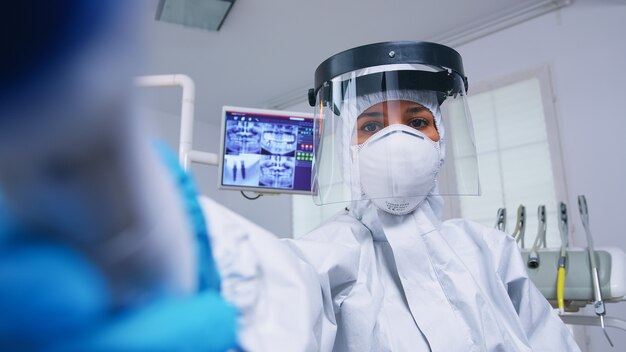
column 375, row 114
column 416, row 109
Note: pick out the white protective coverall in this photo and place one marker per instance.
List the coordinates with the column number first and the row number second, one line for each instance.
column 413, row 283
column 410, row 282
column 370, row 281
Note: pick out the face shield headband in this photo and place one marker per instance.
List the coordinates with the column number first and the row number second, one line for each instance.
column 444, row 83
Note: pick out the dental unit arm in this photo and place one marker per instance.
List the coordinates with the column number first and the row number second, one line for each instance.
column 186, row 153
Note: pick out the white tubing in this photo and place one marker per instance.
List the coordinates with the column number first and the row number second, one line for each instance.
column 203, row 158
column 187, row 108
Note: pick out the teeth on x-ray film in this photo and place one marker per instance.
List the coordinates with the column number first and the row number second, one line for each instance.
column 244, row 137
column 277, row 171
column 280, row 139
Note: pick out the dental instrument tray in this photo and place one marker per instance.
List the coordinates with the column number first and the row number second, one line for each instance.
column 611, row 263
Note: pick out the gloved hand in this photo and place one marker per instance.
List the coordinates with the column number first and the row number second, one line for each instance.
column 203, row 322
column 47, row 291
column 208, row 277
column 53, row 298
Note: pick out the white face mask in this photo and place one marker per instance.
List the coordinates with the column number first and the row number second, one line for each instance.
column 397, row 168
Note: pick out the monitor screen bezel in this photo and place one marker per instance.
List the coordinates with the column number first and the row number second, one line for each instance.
column 222, row 148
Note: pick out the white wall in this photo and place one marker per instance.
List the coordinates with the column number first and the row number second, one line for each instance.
column 585, row 46
column 270, row 212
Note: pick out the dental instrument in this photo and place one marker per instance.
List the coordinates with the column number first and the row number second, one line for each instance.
column 501, row 220
column 560, row 281
column 533, row 258
column 599, row 303
column 520, row 226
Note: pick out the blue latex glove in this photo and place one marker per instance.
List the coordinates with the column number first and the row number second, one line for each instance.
column 208, row 277
column 203, row 322
column 52, row 298
column 46, row 292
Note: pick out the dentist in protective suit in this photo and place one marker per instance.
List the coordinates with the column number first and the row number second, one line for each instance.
column 395, row 277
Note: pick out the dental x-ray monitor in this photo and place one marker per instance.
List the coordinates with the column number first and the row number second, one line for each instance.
column 266, row 151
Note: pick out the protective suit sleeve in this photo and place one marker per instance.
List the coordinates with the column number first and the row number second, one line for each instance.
column 544, row 329
column 335, row 252
column 280, row 298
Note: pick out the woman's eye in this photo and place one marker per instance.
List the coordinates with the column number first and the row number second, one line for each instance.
column 370, row 127
column 418, row 123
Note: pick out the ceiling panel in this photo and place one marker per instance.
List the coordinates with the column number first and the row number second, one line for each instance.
column 266, row 51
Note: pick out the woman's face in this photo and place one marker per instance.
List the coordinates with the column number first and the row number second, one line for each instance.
column 391, row 112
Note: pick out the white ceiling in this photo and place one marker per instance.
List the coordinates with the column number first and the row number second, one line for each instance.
column 266, row 52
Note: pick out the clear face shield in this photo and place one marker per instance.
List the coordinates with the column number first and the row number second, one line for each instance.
column 383, row 133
